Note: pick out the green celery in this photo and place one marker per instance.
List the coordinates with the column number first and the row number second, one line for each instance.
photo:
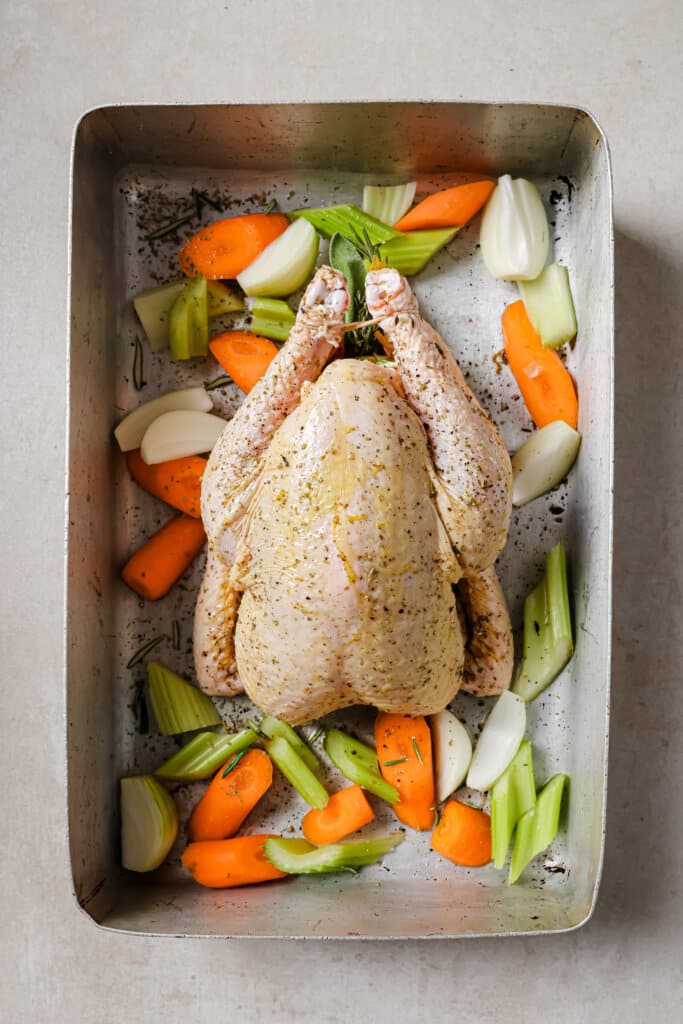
column 345, row 257
column 272, row 727
column 296, row 771
column 410, row 251
column 350, row 221
column 154, row 305
column 178, row 706
column 538, row 827
column 358, row 763
column 203, row 755
column 188, row 321
column 548, row 643
column 512, row 795
column 550, row 306
column 297, row 857
column 271, row 318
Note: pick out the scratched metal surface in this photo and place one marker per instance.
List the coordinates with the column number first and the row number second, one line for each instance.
column 134, row 170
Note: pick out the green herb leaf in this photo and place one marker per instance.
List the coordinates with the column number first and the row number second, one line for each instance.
column 167, row 229
column 270, row 207
column 235, row 761
column 218, row 382
column 144, row 651
column 390, row 764
column 138, row 382
column 141, row 712
column 317, row 734
column 176, row 635
column 418, row 755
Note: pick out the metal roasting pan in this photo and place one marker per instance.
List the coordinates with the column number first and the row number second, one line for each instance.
column 133, row 169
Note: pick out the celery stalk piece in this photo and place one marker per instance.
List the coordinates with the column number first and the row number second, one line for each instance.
column 203, row 755
column 178, row 706
column 152, row 307
column 349, row 221
column 149, row 823
column 345, row 257
column 512, row 795
column 388, row 203
column 549, row 303
column 411, row 250
column 271, row 318
column 285, row 264
column 221, row 299
column 272, row 727
column 548, row 643
column 297, row 772
column 358, row 763
column 297, row 857
column 538, row 827
column 544, row 459
column 188, row 321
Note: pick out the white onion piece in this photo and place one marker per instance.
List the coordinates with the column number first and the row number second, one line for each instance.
column 543, row 460
column 452, row 750
column 132, row 427
column 149, row 823
column 285, row 264
column 499, row 740
column 514, row 234
column 180, row 433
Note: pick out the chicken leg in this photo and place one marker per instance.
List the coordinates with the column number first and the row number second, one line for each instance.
column 232, row 474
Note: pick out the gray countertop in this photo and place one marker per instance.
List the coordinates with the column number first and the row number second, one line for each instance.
column 622, row 60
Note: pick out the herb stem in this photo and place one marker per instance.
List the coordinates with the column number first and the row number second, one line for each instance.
column 144, row 651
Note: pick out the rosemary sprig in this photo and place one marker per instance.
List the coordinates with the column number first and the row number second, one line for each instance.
column 418, row 755
column 144, row 651
column 235, row 761
column 137, row 366
column 168, row 229
column 390, row 764
column 141, row 712
column 175, row 629
column 218, row 382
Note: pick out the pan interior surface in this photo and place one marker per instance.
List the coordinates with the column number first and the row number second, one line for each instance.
column 134, row 169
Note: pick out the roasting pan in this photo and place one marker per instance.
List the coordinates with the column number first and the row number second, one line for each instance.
column 134, row 168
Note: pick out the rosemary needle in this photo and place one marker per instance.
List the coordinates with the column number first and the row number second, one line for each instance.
column 235, row 761
column 399, row 760
column 418, row 755
column 137, row 366
column 144, row 651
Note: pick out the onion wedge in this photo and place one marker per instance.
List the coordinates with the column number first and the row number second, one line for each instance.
column 452, row 750
column 149, row 823
column 543, row 461
column 499, row 741
column 180, row 433
column 133, row 427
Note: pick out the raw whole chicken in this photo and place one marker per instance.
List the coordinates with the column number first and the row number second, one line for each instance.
column 354, row 510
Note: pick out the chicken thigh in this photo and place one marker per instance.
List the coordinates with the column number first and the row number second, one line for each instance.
column 342, row 505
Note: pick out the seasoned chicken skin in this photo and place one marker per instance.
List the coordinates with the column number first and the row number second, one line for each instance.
column 342, row 505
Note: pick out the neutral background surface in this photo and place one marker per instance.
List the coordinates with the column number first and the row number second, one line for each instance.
column 621, row 59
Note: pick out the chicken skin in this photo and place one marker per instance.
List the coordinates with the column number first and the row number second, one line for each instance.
column 353, row 512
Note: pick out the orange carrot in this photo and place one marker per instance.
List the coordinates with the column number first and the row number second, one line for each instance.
column 163, row 559
column 450, row 208
column 346, row 812
column 225, row 248
column 178, row 482
column 229, row 798
column 225, row 863
column 463, row 835
column 546, row 386
column 404, row 749
column 244, row 356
